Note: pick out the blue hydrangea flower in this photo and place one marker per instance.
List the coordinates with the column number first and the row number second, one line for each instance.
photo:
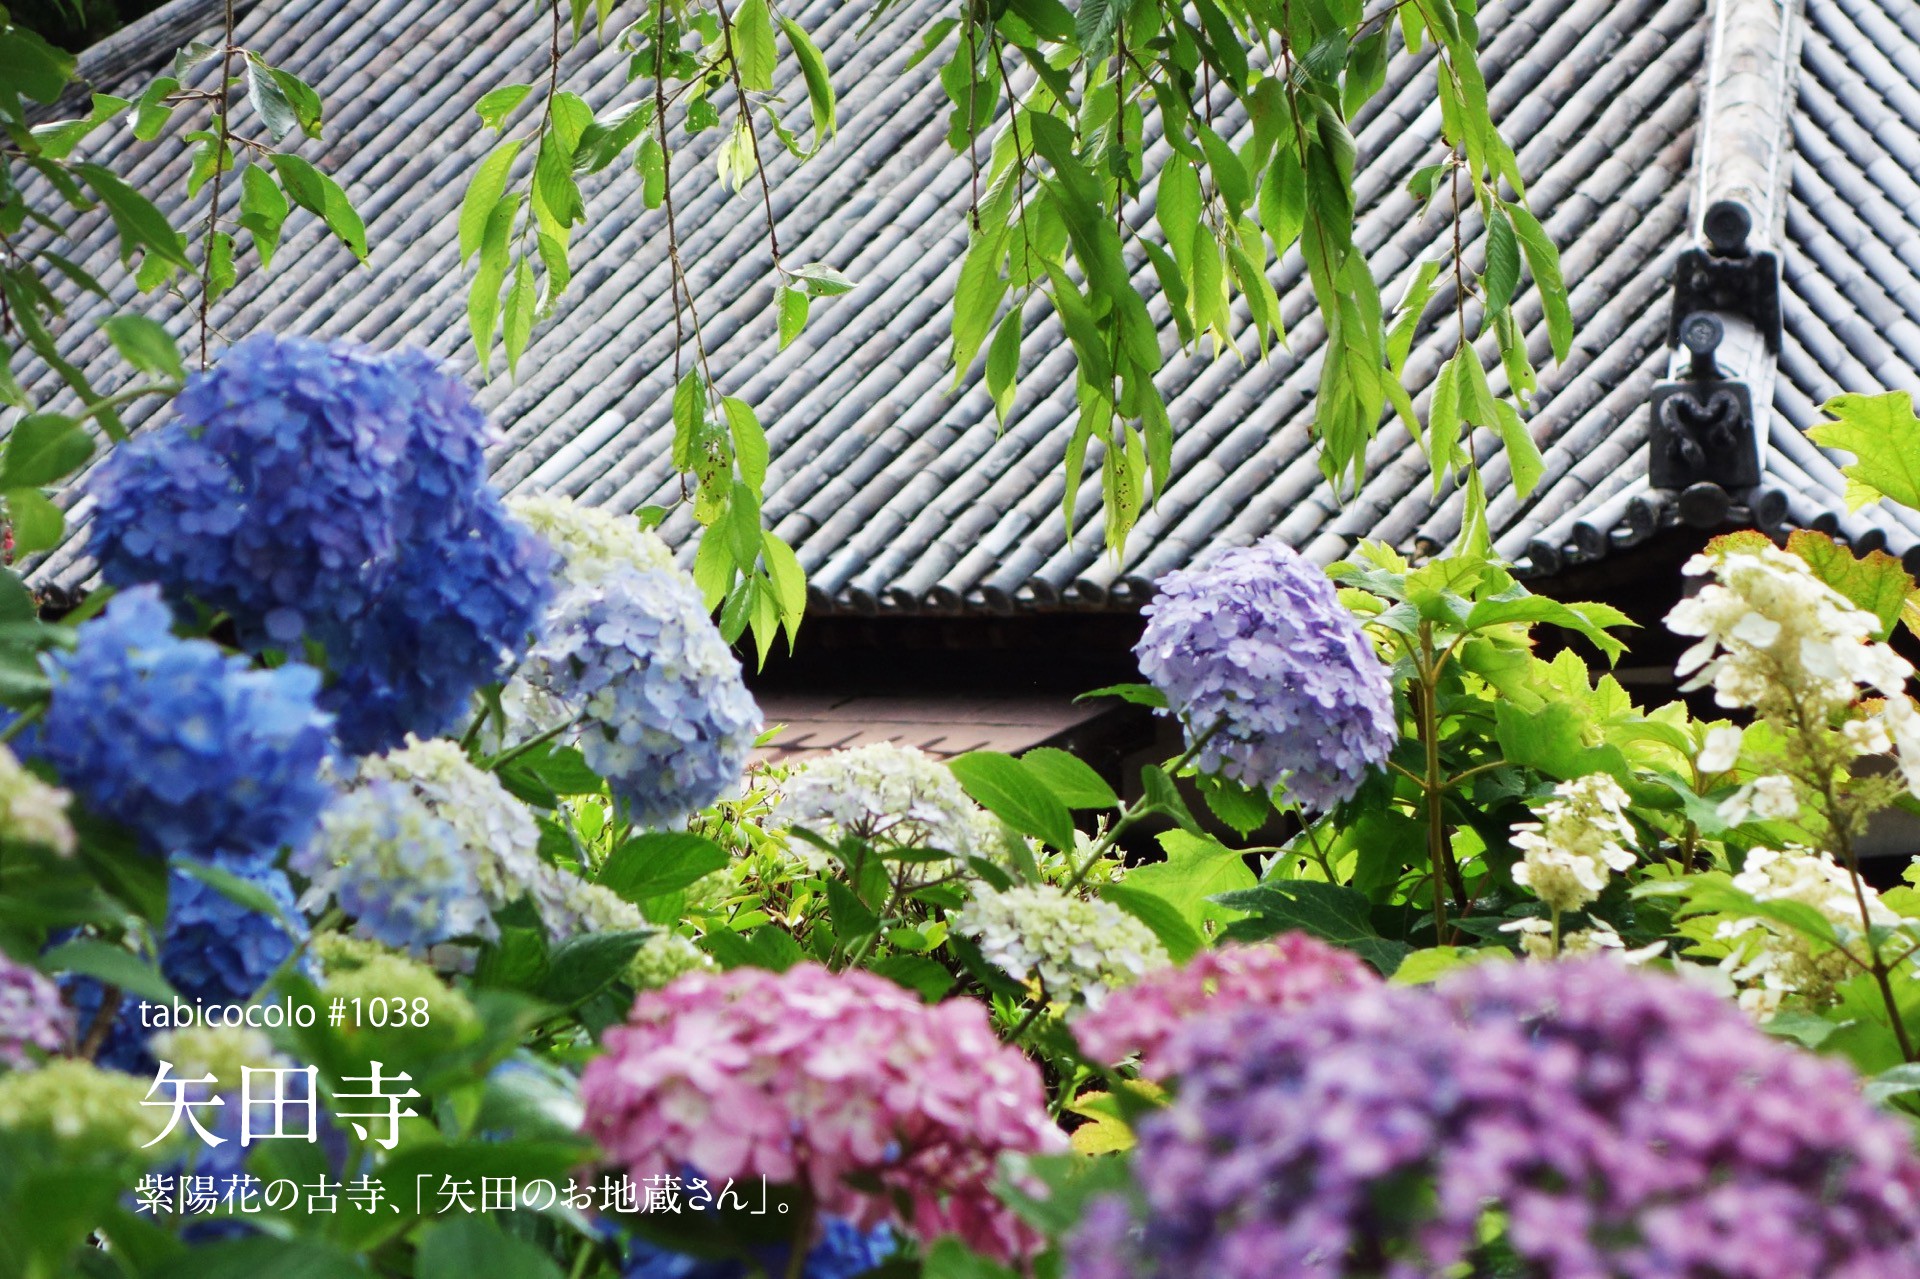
column 844, row 1251
column 668, row 720
column 458, row 615
column 124, row 1046
column 217, row 950
column 323, row 493
column 188, row 746
column 398, row 871
column 213, row 950
column 1256, row 649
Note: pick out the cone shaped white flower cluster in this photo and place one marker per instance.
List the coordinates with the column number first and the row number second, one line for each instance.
column 1581, row 836
column 1775, row 960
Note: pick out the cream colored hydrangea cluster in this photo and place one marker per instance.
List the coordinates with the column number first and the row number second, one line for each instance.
column 1536, row 941
column 1077, row 949
column 89, row 1113
column 891, row 795
column 1775, row 638
column 589, row 540
column 220, row 1051
column 352, row 966
column 32, row 812
column 1770, row 798
column 1772, row 961
column 1581, row 837
column 663, row 957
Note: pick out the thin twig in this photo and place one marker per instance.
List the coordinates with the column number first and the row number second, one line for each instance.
column 222, row 156
column 753, row 136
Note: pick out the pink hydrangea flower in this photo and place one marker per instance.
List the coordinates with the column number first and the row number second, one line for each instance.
column 1290, row 971
column 823, row 1079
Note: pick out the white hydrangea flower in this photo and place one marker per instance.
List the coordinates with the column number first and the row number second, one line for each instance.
column 496, row 830
column 1536, row 941
column 1773, row 960
column 589, row 540
column 1772, row 798
column 1581, row 836
column 891, row 795
column 1901, row 722
column 1772, row 635
column 1721, row 750
column 573, row 906
column 1078, row 949
column 31, row 811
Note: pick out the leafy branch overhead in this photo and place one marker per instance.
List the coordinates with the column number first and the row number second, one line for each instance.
column 42, row 161
column 1134, row 169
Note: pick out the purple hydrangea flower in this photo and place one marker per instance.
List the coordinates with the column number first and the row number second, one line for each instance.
column 668, row 719
column 1256, row 650
column 190, row 747
column 32, row 1017
column 320, row 492
column 1625, row 1124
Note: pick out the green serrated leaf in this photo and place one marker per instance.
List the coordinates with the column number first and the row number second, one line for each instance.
column 1502, row 275
column 146, row 345
column 497, row 104
column 793, row 314
column 140, row 224
column 269, row 101
column 516, row 317
column 749, row 447
column 813, row 69
column 319, row 194
column 1883, row 435
column 1328, row 911
column 1070, row 778
column 152, row 111
column 44, row 448
column 484, row 191
column 1544, row 261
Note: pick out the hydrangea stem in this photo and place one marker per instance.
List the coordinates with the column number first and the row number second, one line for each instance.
column 1446, row 876
column 802, row 1237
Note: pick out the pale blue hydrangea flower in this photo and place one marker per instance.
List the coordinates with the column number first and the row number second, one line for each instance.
column 666, row 716
column 399, row 872
column 1256, row 649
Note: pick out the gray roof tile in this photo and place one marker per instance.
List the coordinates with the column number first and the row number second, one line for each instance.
column 897, row 489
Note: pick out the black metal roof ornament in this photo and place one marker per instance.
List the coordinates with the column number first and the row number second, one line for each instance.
column 1710, row 418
